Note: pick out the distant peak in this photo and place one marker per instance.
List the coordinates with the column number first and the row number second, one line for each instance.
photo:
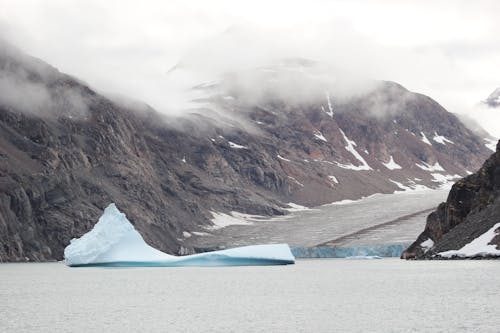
column 493, row 99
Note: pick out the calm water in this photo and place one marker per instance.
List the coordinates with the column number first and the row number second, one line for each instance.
column 388, row 295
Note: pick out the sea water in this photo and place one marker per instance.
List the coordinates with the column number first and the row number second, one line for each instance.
column 318, row 295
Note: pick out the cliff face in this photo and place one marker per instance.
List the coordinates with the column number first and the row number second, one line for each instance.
column 66, row 152
column 472, row 208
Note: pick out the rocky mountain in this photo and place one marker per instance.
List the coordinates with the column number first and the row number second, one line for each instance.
column 67, row 151
column 493, row 99
column 460, row 226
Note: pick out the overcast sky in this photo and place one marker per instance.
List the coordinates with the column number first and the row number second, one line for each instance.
column 449, row 50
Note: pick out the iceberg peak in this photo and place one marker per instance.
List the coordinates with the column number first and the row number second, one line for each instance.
column 113, row 238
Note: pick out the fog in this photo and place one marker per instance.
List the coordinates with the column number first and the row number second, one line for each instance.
column 31, row 86
column 156, row 50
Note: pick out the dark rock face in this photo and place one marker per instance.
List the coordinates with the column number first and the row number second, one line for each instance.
column 472, row 208
column 66, row 152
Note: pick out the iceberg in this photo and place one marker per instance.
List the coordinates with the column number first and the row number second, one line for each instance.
column 113, row 241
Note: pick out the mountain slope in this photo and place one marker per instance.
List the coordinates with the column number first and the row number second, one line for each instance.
column 67, row 151
column 472, row 208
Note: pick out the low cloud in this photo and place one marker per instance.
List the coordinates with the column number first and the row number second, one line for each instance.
column 29, row 85
column 446, row 49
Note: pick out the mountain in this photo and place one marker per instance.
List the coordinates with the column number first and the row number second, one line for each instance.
column 469, row 215
column 493, row 99
column 67, row 151
column 489, row 141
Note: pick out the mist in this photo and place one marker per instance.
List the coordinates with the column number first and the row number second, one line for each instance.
column 158, row 51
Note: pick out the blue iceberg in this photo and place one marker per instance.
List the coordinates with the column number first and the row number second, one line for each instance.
column 114, row 242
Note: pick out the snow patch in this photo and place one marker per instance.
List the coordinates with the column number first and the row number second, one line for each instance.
column 412, row 186
column 296, row 181
column 318, row 135
column 430, row 168
column 392, row 165
column 441, row 139
column 350, row 148
column 236, row 146
column 401, row 185
column 491, row 144
column 296, row 207
column 479, row 247
column 427, row 244
column 222, row 220
column 333, row 179
column 282, row 158
column 330, row 108
column 200, row 233
column 344, row 202
column 424, row 139
column 444, row 179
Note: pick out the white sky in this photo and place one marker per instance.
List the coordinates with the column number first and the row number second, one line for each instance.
column 449, row 50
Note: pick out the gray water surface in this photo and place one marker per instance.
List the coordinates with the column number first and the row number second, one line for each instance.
column 332, row 295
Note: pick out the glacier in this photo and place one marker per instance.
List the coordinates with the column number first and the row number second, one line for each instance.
column 114, row 242
column 351, row 252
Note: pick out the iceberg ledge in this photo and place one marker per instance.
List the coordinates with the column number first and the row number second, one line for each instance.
column 114, row 242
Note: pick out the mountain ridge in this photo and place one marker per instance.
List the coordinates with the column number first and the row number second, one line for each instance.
column 68, row 153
